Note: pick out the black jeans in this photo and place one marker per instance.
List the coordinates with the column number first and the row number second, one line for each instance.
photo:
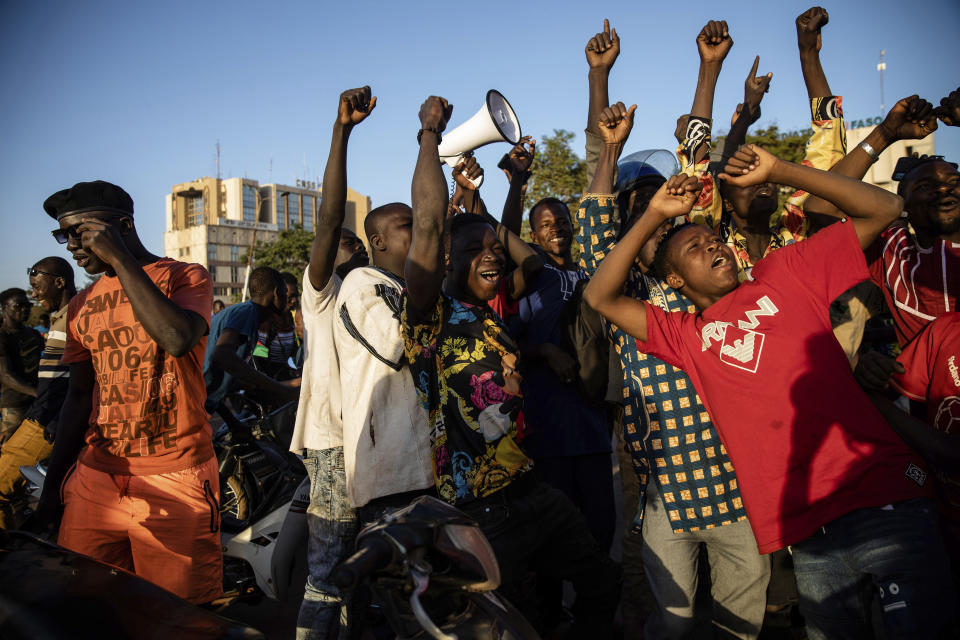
column 533, row 527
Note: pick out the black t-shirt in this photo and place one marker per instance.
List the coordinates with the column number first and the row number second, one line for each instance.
column 22, row 349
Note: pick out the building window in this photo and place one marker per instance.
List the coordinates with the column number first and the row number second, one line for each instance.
column 249, row 203
column 195, row 216
column 282, row 212
column 234, row 253
column 293, row 211
column 309, row 210
column 235, row 274
column 211, row 252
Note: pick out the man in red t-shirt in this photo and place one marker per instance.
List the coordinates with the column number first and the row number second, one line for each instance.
column 143, row 490
column 931, row 374
column 918, row 270
column 818, row 467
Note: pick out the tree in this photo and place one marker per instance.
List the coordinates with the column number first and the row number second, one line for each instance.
column 557, row 172
column 290, row 252
column 786, row 145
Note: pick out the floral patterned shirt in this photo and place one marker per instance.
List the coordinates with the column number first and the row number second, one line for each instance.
column 463, row 362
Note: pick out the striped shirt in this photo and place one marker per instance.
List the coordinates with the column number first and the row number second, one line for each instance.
column 918, row 284
column 53, row 376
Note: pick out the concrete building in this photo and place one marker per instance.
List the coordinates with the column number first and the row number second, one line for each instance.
column 879, row 174
column 215, row 222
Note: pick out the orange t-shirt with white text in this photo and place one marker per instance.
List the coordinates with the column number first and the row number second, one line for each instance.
column 148, row 414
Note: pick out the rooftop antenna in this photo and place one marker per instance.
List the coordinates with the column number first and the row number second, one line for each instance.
column 881, row 67
column 218, row 158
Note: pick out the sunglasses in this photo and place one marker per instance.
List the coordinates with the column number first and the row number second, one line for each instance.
column 33, row 272
column 62, row 236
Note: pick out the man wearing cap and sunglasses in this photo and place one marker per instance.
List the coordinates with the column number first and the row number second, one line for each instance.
column 144, row 490
column 51, row 282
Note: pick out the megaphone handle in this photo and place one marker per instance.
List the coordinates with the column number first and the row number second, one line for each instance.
column 453, row 161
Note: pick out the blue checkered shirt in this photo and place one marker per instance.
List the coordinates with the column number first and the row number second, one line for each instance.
column 666, row 426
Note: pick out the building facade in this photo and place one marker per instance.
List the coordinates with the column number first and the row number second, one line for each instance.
column 215, row 222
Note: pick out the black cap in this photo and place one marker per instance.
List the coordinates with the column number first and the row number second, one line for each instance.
column 89, row 196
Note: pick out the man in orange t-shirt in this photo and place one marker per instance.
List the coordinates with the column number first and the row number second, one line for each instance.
column 133, row 459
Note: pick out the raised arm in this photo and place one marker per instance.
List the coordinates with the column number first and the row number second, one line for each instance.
column 748, row 111
column 354, row 106
column 604, row 292
column 809, row 42
column 615, row 123
column 713, row 44
column 423, row 270
column 601, row 51
column 910, row 118
column 870, row 208
column 517, row 168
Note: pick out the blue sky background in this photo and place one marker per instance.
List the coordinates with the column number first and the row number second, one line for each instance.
column 138, row 93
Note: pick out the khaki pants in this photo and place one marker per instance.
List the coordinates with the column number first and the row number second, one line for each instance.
column 739, row 574
column 10, row 418
column 26, row 447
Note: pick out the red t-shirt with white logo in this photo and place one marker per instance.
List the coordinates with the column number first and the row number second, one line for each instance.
column 807, row 444
column 918, row 284
column 932, row 364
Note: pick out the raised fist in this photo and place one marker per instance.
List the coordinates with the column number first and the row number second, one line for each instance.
column 809, row 24
column 949, row 109
column 911, row 118
column 355, row 105
column 434, row 113
column 615, row 123
column 714, row 41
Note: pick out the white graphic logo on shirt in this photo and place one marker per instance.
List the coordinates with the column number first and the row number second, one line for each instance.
column 947, row 419
column 740, row 346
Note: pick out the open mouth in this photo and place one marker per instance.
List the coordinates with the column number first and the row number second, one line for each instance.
column 765, row 191
column 492, row 275
column 82, row 260
column 720, row 261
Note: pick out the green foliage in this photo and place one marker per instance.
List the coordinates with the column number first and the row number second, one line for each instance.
column 559, row 173
column 290, row 252
column 786, row 145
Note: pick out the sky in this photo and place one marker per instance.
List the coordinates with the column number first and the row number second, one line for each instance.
column 139, row 93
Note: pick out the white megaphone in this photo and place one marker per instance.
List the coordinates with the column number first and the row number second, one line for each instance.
column 494, row 122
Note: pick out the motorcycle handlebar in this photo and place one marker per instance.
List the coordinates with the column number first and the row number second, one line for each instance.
column 374, row 553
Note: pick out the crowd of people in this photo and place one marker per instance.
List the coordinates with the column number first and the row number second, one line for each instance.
column 780, row 374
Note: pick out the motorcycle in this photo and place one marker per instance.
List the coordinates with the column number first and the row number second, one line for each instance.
column 48, row 592
column 434, row 575
column 264, row 494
